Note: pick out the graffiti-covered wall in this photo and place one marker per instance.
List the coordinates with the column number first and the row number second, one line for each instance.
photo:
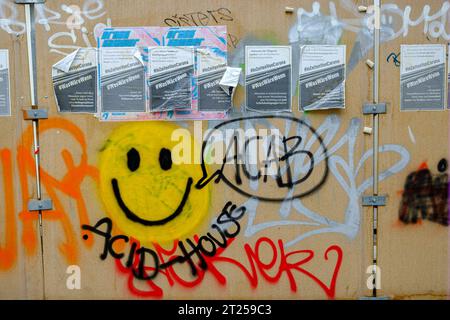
column 158, row 209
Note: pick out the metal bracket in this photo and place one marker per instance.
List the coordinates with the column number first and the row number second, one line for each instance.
column 374, row 201
column 29, row 1
column 35, row 114
column 40, row 205
column 370, row 108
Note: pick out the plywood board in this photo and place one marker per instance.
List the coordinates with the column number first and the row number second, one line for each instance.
column 314, row 247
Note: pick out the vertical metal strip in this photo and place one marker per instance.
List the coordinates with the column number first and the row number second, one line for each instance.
column 31, row 46
column 31, row 42
column 375, row 170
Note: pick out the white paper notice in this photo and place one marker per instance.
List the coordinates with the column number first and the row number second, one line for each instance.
column 422, row 77
column 268, row 74
column 322, row 77
column 230, row 80
column 5, row 101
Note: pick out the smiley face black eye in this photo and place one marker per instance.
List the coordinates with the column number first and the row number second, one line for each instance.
column 133, row 159
column 442, row 165
column 165, row 159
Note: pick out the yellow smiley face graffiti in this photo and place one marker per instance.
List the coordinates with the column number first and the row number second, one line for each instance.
column 146, row 194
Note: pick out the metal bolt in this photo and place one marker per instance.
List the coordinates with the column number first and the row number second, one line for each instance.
column 362, row 9
column 288, row 9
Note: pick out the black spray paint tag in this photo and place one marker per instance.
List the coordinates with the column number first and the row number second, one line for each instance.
column 75, row 81
column 5, row 102
column 268, row 74
column 122, row 80
column 211, row 67
column 322, row 77
column 171, row 72
column 422, row 77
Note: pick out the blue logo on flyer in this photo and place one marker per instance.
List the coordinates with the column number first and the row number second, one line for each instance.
column 121, row 38
column 180, row 37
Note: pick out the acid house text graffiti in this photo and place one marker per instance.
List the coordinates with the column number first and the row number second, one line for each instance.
column 142, row 260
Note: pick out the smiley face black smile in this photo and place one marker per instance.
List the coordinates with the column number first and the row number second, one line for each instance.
column 133, row 162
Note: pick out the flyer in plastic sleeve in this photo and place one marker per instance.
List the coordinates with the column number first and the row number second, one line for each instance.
column 171, row 71
column 268, row 74
column 422, row 77
column 75, row 81
column 5, row 102
column 211, row 67
column 122, row 81
column 322, row 77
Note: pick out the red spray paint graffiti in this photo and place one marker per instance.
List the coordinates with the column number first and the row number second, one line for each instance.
column 282, row 265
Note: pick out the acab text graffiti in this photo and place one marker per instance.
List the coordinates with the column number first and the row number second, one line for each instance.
column 278, row 162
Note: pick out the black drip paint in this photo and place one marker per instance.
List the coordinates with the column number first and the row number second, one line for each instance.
column 165, row 159
column 443, row 165
column 425, row 197
column 133, row 159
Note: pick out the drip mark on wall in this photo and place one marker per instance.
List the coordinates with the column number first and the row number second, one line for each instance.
column 411, row 135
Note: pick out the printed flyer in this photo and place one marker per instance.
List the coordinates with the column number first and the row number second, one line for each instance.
column 211, row 66
column 322, row 77
column 422, row 77
column 171, row 71
column 75, row 81
column 122, row 80
column 142, row 38
column 5, row 103
column 268, row 74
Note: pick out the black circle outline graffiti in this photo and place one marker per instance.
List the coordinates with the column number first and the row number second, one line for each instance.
column 204, row 180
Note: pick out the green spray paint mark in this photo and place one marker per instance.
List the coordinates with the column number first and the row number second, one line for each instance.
column 208, row 155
